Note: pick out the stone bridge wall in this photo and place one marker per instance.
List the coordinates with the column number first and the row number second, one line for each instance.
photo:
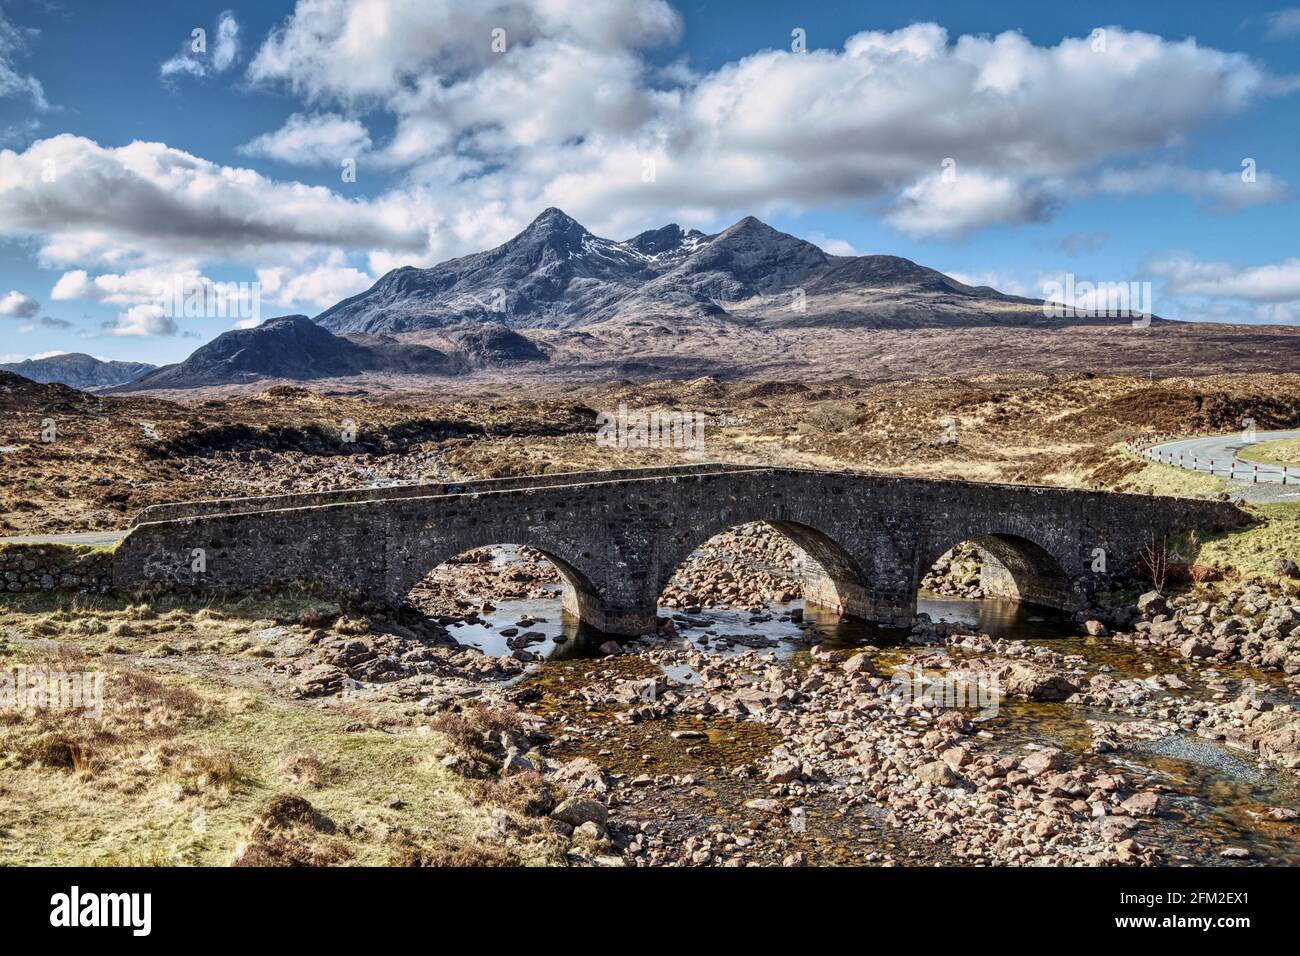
column 214, row 506
column 618, row 538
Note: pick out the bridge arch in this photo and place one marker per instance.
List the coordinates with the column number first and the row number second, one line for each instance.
column 1013, row 567
column 580, row 595
column 833, row 579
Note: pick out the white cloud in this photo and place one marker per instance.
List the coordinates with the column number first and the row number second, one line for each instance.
column 1274, row 283
column 517, row 131
column 13, row 82
column 203, row 55
column 145, row 203
column 1225, row 191
column 312, row 289
column 13, row 358
column 335, row 50
column 135, row 286
column 1224, row 292
column 936, row 206
column 317, row 139
column 997, row 280
column 140, row 320
column 483, row 140
column 16, row 305
column 836, row 247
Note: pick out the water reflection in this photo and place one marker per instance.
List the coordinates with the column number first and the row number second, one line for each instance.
column 784, row 629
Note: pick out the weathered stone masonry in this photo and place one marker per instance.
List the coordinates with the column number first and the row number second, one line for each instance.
column 48, row 567
column 618, row 537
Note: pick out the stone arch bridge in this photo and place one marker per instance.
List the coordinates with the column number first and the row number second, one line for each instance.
column 618, row 537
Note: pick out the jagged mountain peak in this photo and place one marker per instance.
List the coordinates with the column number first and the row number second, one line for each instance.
column 552, row 225
column 667, row 242
column 557, row 274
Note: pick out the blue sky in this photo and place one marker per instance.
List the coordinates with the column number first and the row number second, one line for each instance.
column 128, row 158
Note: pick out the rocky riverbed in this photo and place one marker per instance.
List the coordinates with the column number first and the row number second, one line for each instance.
column 749, row 730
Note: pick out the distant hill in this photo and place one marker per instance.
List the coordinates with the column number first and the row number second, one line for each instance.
column 19, row 393
column 296, row 348
column 78, row 370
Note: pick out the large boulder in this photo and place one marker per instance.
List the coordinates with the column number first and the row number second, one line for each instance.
column 1025, row 680
column 1196, row 647
column 576, row 811
column 936, row 774
column 1151, row 603
column 1042, row 761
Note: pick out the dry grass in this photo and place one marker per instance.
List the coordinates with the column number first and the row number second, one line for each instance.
column 1029, row 427
column 1252, row 551
column 1157, row 479
column 1280, row 453
column 182, row 766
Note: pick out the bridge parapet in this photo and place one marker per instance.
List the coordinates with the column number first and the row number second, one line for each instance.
column 618, row 537
column 207, row 507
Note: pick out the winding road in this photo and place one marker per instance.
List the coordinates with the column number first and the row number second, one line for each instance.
column 1217, row 455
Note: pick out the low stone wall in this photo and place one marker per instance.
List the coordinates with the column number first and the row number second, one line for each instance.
column 25, row 568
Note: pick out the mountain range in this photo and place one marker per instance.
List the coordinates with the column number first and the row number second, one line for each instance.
column 557, row 302
column 78, row 370
column 556, row 274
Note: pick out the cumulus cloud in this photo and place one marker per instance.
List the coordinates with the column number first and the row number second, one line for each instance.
column 317, row 287
column 333, row 49
column 836, row 247
column 310, row 140
column 955, row 207
column 1224, row 292
column 16, row 305
column 126, row 288
column 487, row 128
column 14, row 82
column 146, row 201
column 1003, row 282
column 524, row 127
column 1279, row 282
column 308, row 284
column 202, row 55
column 141, row 320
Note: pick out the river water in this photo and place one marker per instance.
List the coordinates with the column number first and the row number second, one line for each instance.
column 1211, row 795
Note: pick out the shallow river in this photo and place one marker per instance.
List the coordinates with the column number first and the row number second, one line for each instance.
column 1213, row 796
